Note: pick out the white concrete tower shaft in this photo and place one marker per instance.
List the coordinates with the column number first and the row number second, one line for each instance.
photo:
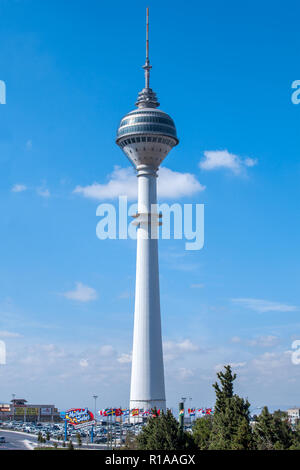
column 147, row 375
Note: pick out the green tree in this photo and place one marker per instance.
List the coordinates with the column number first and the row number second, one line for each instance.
column 231, row 428
column 273, row 431
column 79, row 440
column 202, row 430
column 296, row 438
column 163, row 433
column 224, row 391
column 70, row 445
column 130, row 441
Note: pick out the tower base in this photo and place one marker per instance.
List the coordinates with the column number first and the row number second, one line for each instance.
column 145, row 405
column 148, row 404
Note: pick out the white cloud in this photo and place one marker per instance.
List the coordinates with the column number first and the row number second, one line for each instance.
column 185, row 345
column 197, row 286
column 260, row 341
column 43, row 192
column 264, row 341
column 172, row 184
column 125, row 358
column 123, row 181
column 29, row 144
column 173, row 350
column 184, row 373
column 9, row 334
column 261, row 306
column 234, row 365
column 18, row 188
column 107, row 350
column 235, row 339
column 216, row 159
column 83, row 363
column 81, row 293
column 268, row 362
column 125, row 295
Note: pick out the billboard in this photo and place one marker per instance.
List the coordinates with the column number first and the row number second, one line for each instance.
column 46, row 411
column 80, row 416
column 22, row 410
column 4, row 407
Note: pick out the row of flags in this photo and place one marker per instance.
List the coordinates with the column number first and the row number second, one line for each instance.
column 128, row 412
column 199, row 412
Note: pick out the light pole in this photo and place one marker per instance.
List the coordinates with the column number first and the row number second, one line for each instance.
column 95, row 398
column 13, row 402
column 190, row 400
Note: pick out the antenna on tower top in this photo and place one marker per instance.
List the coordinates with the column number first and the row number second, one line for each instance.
column 147, row 65
column 147, row 35
column 147, row 97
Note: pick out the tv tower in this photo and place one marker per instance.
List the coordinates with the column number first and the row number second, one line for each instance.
column 146, row 135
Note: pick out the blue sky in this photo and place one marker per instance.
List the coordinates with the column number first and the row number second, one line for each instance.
column 223, row 71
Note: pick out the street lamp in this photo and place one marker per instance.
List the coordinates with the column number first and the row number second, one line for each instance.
column 95, row 398
column 13, row 402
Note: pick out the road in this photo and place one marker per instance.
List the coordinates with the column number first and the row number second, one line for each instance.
column 24, row 441
column 16, row 441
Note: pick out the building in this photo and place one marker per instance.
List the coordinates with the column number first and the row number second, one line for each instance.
column 20, row 410
column 294, row 415
column 4, row 411
column 146, row 135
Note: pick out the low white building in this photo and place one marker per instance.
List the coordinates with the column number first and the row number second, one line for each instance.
column 294, row 415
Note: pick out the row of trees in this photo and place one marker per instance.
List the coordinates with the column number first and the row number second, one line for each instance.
column 228, row 429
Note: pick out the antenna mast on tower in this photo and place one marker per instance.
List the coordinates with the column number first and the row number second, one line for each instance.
column 147, row 65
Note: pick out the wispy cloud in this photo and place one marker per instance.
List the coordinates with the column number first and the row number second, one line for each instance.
column 173, row 349
column 267, row 341
column 19, row 188
column 236, row 339
column 234, row 365
column 81, row 293
column 9, row 334
column 262, row 306
column 185, row 374
column 43, row 192
column 107, row 350
column 84, row 363
column 123, row 181
column 29, row 144
column 220, row 159
column 125, row 295
column 40, row 191
column 125, row 358
column 264, row 341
